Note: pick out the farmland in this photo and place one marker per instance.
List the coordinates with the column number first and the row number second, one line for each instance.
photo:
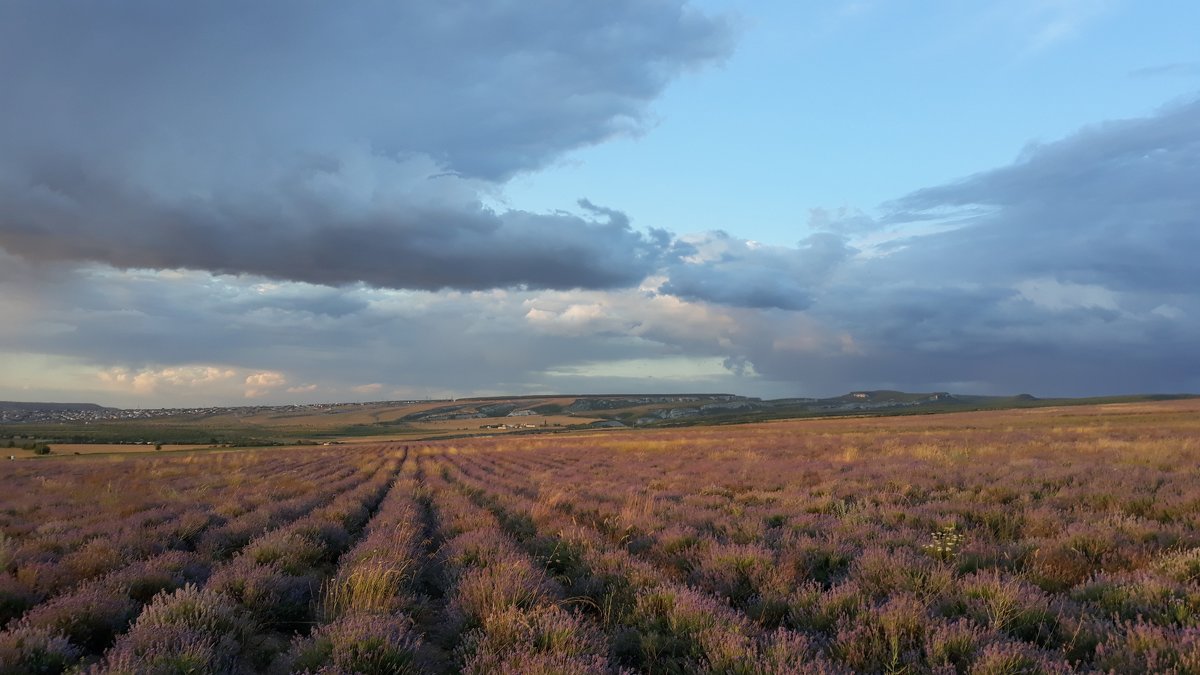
column 59, row 424
column 1039, row 540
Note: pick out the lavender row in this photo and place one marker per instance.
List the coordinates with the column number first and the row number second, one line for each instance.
column 84, row 622
column 84, row 511
column 180, row 526
column 364, row 608
column 834, row 570
column 243, row 617
column 200, row 526
column 44, row 499
column 504, row 613
column 656, row 624
column 89, row 617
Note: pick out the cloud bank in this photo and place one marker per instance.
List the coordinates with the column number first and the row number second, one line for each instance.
column 1070, row 270
column 1067, row 272
column 190, row 211
column 329, row 144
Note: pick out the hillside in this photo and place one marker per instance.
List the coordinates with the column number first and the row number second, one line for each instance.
column 337, row 422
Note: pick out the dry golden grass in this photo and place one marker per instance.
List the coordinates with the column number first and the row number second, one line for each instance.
column 369, row 589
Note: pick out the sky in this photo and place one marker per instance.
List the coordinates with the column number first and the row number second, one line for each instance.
column 224, row 203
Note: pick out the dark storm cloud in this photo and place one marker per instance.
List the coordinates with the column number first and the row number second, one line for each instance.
column 303, row 232
column 1115, row 205
column 327, row 143
column 1070, row 271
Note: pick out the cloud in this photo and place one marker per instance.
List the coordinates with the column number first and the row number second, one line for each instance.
column 263, row 383
column 296, row 297
column 1068, row 271
column 842, row 220
column 677, row 369
column 1114, row 205
column 270, row 235
column 1056, row 295
column 423, row 343
column 634, row 320
column 304, row 143
column 153, row 380
column 421, row 240
column 716, row 267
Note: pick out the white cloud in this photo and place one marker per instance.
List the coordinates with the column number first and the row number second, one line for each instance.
column 153, row 380
column 262, row 383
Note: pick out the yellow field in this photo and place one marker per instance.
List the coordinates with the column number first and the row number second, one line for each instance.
column 95, row 449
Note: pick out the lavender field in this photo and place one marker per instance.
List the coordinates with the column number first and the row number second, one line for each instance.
column 1039, row 541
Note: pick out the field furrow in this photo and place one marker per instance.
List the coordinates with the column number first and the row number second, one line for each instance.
column 656, row 623
column 127, row 541
column 246, row 613
column 503, row 610
column 87, row 619
column 364, row 609
column 817, row 563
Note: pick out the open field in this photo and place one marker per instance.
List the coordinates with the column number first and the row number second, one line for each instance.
column 420, row 430
column 100, row 448
column 1048, row 540
column 351, row 422
column 56, row 424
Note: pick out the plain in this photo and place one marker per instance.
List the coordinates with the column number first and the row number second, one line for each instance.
column 1043, row 540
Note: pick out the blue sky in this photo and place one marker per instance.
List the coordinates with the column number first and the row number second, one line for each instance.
column 214, row 204
column 831, row 105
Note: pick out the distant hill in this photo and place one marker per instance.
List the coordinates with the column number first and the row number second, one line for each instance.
column 23, row 406
column 21, row 412
column 321, row 422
